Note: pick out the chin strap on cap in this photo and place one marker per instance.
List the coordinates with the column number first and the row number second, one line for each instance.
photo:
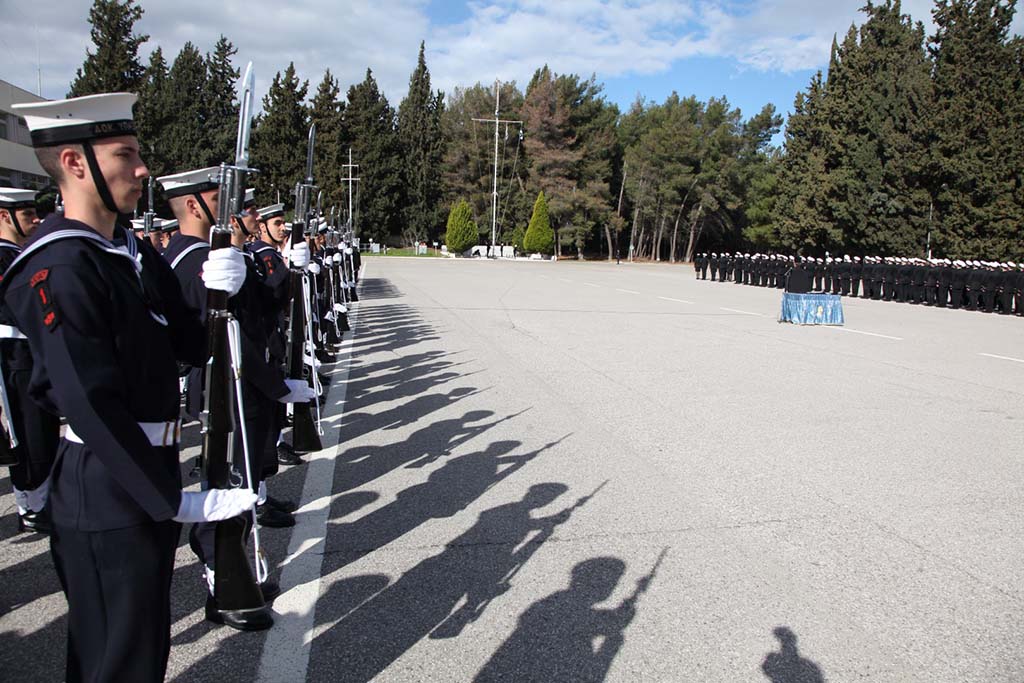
column 98, row 179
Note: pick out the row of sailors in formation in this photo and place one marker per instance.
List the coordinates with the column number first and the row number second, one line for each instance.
column 95, row 326
column 989, row 286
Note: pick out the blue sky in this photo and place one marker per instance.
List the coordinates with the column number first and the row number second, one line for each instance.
column 752, row 52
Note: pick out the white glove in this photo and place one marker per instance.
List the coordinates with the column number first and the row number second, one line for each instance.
column 337, row 259
column 214, row 505
column 224, row 270
column 298, row 255
column 313, row 268
column 340, row 308
column 348, row 250
column 299, row 391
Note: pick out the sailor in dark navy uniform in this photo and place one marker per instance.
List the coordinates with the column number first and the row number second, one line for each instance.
column 159, row 234
column 106, row 321
column 30, row 445
column 193, row 196
column 269, row 252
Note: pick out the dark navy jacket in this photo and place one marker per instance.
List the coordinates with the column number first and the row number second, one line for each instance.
column 106, row 322
column 277, row 278
column 250, row 306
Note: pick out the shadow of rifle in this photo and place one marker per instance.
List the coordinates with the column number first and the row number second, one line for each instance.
column 452, row 626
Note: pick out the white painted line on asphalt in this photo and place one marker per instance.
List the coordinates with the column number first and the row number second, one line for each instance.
column 591, row 284
column 869, row 334
column 564, row 280
column 736, row 310
column 992, row 355
column 285, row 655
column 627, row 291
column 679, row 301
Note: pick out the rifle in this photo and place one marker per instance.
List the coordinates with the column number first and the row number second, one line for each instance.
column 305, row 434
column 149, row 215
column 234, row 584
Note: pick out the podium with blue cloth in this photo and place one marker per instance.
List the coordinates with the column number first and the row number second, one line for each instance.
column 811, row 309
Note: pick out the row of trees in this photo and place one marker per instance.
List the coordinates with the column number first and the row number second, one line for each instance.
column 909, row 142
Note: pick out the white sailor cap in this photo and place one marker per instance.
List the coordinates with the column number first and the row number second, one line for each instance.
column 159, row 224
column 190, row 182
column 78, row 119
column 271, row 211
column 1011, row 264
column 250, row 197
column 13, row 198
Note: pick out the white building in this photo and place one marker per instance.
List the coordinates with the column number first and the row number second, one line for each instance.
column 18, row 165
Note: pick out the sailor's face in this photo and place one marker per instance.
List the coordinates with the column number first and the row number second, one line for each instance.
column 122, row 168
column 28, row 219
column 275, row 226
column 251, row 218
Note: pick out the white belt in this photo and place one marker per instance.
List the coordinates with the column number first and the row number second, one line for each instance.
column 158, row 433
column 10, row 332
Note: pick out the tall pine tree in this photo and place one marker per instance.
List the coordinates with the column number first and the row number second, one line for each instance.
column 422, row 143
column 878, row 90
column 221, row 115
column 976, row 162
column 153, row 114
column 186, row 90
column 279, row 138
column 115, row 65
column 370, row 124
column 328, row 113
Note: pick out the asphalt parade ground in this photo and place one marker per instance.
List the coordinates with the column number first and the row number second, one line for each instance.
column 586, row 472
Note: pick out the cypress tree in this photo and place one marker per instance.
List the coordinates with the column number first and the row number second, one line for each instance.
column 115, row 65
column 878, row 90
column 328, row 113
column 802, row 214
column 221, row 115
column 539, row 238
column 422, row 141
column 977, row 163
column 185, row 132
column 153, row 115
column 370, row 124
column 461, row 233
column 280, row 136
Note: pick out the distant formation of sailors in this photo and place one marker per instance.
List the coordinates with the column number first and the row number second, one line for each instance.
column 990, row 286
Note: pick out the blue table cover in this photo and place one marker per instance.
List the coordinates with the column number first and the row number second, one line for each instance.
column 812, row 309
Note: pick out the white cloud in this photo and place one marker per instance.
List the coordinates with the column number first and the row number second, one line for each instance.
column 504, row 39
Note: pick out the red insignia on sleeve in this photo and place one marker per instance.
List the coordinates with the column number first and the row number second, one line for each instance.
column 269, row 262
column 42, row 288
column 39, row 277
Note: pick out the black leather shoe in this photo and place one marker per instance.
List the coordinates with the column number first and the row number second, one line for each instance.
column 273, row 518
column 287, row 456
column 35, row 522
column 324, row 356
column 243, row 620
column 270, row 590
column 283, row 505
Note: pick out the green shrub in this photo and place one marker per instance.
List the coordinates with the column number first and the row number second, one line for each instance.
column 540, row 238
column 461, row 233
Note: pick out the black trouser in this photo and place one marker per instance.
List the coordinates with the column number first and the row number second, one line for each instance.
column 989, row 301
column 38, row 434
column 854, row 287
column 703, row 272
column 1006, row 303
column 118, row 586
column 956, row 297
column 973, row 299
